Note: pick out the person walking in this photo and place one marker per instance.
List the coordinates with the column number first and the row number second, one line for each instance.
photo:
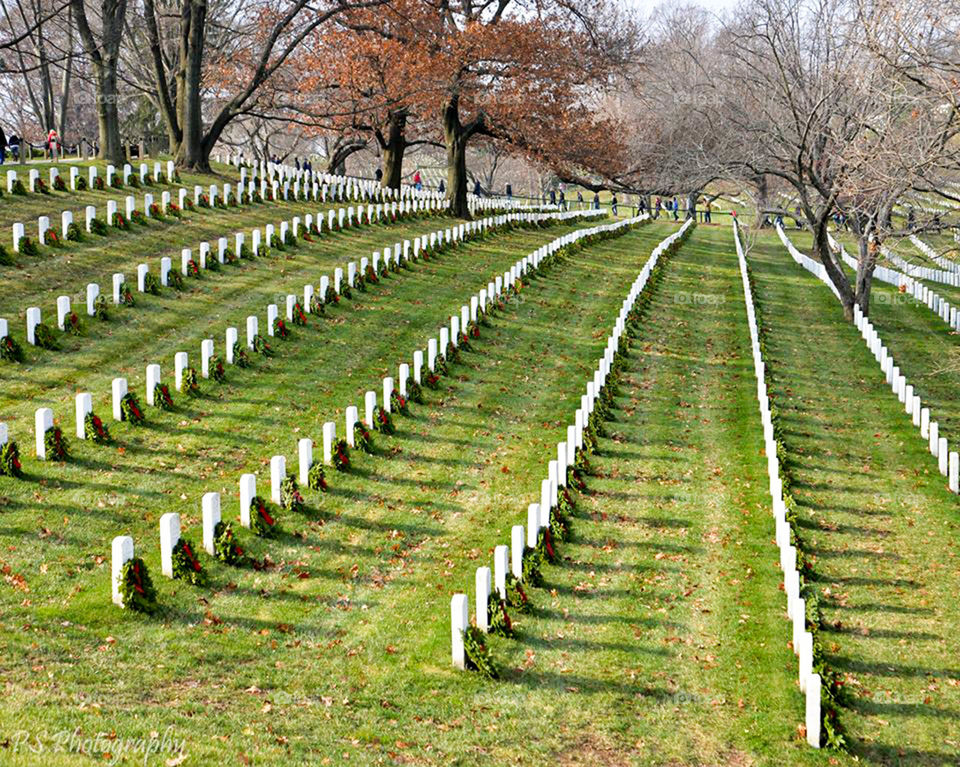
column 707, row 207
column 596, row 200
column 477, row 190
column 563, row 200
column 53, row 144
column 676, row 210
column 417, row 180
column 657, row 207
column 509, row 191
column 553, row 196
column 441, row 188
column 613, row 203
column 3, row 146
column 579, row 200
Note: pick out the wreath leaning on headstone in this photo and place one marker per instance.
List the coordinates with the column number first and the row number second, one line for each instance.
column 186, row 565
column 136, row 589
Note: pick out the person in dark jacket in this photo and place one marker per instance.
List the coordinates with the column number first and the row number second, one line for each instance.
column 3, row 147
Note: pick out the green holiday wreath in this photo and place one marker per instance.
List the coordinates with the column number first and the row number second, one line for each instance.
column 186, row 565
column 341, row 455
column 130, row 409
column 74, row 232
column 10, row 350
column 398, row 403
column 161, row 397
column 225, row 548
column 240, row 357
column 95, row 429
column 262, row 523
column 28, row 247
column 516, row 595
column 10, row 465
column 290, row 498
column 261, row 347
column 190, row 382
column 101, row 309
column 362, row 439
column 136, row 589
column 497, row 618
column 383, row 421
column 478, row 654
column 317, row 478
column 217, row 371
column 44, row 338
column 151, row 283
column 415, row 392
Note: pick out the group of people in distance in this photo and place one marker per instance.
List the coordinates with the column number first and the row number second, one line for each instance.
column 12, row 145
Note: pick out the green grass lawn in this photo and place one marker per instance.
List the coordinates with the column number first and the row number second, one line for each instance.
column 877, row 514
column 660, row 638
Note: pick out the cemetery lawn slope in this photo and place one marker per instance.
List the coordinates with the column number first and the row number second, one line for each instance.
column 879, row 520
column 281, row 638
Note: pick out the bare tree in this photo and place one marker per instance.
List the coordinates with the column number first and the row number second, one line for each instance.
column 104, row 55
column 818, row 110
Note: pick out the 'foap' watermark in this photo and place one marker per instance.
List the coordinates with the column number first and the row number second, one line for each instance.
column 896, row 299
column 105, row 747
column 699, row 299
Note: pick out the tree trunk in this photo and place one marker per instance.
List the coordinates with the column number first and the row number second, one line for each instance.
column 164, row 101
column 341, row 150
column 393, row 147
column 866, row 263
column 455, row 139
column 104, row 58
column 108, row 118
column 763, row 198
column 192, row 152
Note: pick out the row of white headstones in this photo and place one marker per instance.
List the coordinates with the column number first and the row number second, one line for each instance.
column 357, row 188
column 122, row 547
column 796, row 605
column 914, row 287
column 947, row 462
column 539, row 514
column 400, row 253
column 127, row 171
column 287, row 173
column 340, row 191
column 929, row 252
column 342, row 217
column 945, row 276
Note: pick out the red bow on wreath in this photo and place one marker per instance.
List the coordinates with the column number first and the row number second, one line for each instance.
column 262, row 511
column 193, row 560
